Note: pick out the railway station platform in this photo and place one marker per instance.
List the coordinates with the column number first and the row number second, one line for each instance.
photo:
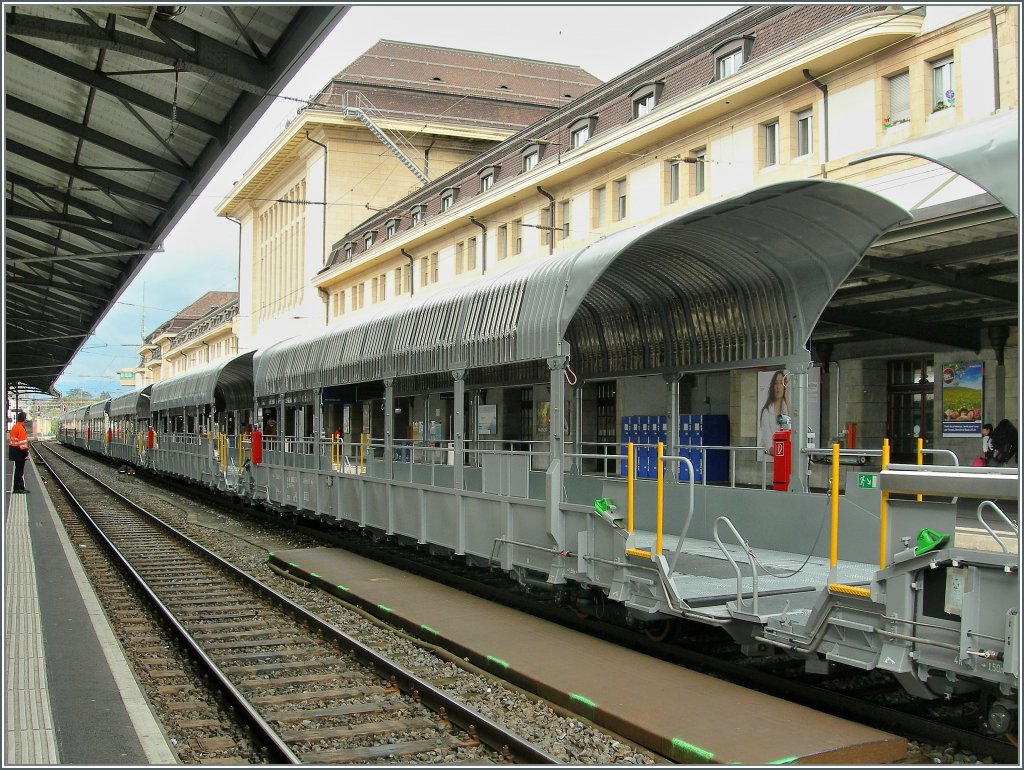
column 70, row 696
column 690, row 718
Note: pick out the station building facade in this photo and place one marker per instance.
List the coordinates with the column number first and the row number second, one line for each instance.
column 768, row 94
column 202, row 333
column 398, row 116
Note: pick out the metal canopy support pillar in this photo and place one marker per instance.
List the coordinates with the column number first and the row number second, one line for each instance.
column 389, row 427
column 672, row 430
column 459, row 428
column 801, row 461
column 576, row 423
column 556, row 442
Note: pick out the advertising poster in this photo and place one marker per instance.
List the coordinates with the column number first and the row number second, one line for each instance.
column 775, row 397
column 487, row 420
column 543, row 418
column 962, row 398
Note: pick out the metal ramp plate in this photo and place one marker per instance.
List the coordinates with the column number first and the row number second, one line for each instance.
column 703, row 575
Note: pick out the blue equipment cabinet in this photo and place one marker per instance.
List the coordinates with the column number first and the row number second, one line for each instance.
column 705, row 430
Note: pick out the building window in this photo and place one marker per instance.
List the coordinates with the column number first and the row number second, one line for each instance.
column 517, row 235
column 350, row 249
column 532, row 154
column 620, row 199
column 502, row 242
column 417, row 214
column 368, row 239
column 943, row 94
column 565, row 209
column 645, row 99
column 359, row 296
column 448, row 196
column 338, row 308
column 428, row 270
column 804, row 133
column 471, row 255
column 728, row 64
column 581, row 131
column 460, row 257
column 545, row 226
column 597, row 206
column 488, row 176
column 403, row 279
column 699, row 171
column 731, row 55
column 391, row 228
column 770, row 144
column 899, row 99
column 674, row 171
column 378, row 288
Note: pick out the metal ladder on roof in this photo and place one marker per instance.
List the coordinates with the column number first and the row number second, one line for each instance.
column 384, row 139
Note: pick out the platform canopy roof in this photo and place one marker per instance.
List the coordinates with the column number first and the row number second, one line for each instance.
column 739, row 282
column 116, row 118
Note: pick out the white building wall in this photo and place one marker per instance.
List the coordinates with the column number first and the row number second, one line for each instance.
column 977, row 85
column 731, row 158
column 644, row 193
column 852, row 118
column 246, row 330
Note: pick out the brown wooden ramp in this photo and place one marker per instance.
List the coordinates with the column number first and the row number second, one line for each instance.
column 688, row 717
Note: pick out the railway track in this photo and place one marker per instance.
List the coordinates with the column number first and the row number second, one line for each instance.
column 303, row 691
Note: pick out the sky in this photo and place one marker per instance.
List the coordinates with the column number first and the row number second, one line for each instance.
column 201, row 253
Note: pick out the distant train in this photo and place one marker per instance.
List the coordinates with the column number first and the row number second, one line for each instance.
column 408, row 425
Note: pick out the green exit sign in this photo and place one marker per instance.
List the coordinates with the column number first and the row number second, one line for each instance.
column 867, row 480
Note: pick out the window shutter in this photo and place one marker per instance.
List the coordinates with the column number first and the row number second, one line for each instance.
column 899, row 97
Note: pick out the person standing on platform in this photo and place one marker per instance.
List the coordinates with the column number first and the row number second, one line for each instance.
column 17, row 449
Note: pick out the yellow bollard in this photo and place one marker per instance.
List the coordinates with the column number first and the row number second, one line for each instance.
column 884, row 510
column 630, row 472
column 833, row 557
column 661, row 501
column 920, row 461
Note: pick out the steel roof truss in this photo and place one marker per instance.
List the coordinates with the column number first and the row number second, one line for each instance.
column 120, row 146
column 124, row 93
column 939, row 333
column 185, row 49
column 961, row 282
column 108, row 186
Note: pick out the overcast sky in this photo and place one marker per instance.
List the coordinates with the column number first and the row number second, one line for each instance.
column 201, row 254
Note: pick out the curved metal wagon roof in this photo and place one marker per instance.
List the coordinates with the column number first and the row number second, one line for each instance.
column 130, row 404
column 231, row 379
column 734, row 283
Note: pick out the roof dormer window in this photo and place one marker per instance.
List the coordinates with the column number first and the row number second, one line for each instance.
column 532, row 153
column 368, row 238
column 448, row 196
column 417, row 214
column 581, row 131
column 391, row 227
column 731, row 55
column 488, row 176
column 350, row 249
column 645, row 99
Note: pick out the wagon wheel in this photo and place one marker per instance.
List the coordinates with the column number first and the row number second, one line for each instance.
column 660, row 630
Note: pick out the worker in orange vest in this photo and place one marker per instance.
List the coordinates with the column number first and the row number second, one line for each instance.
column 17, row 449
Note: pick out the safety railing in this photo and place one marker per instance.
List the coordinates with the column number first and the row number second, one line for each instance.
column 1003, row 516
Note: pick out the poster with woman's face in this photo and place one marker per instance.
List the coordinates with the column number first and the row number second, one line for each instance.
column 776, row 396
